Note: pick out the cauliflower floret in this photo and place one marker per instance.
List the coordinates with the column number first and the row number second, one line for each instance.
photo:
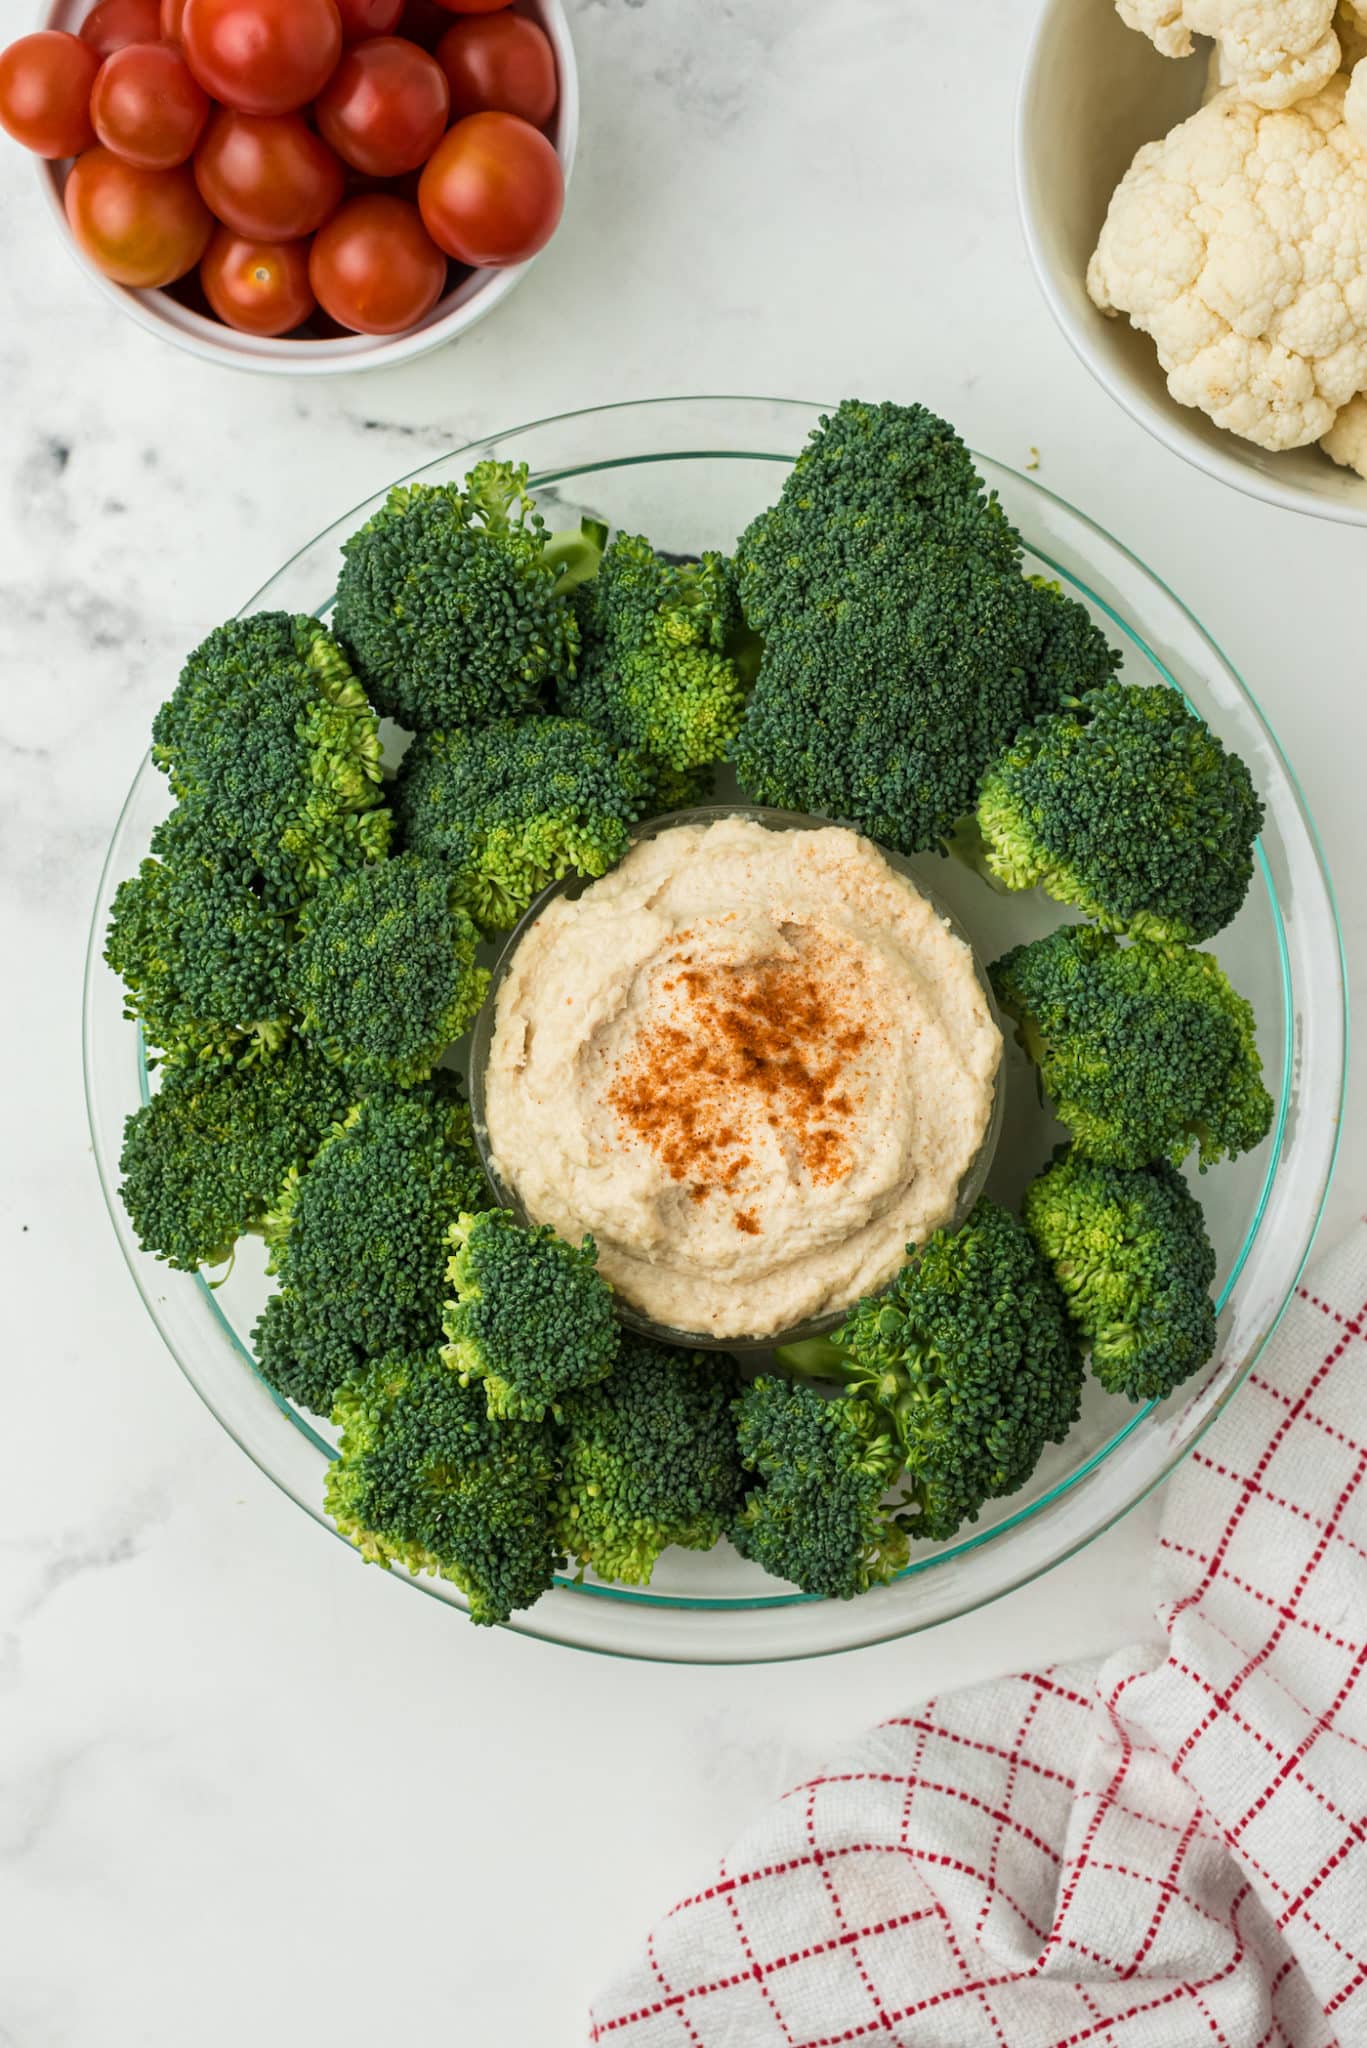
column 1346, row 440
column 1275, row 51
column 1239, row 242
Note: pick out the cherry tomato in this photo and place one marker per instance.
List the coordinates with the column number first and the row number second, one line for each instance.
column 114, row 24
column 499, row 63
column 384, row 107
column 147, row 108
column 492, row 190
column 267, row 176
column 262, row 56
column 472, row 6
column 172, row 19
column 258, row 287
column 374, row 267
column 139, row 227
column 45, row 82
column 368, row 18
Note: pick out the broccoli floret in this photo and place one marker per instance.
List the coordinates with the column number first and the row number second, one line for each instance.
column 968, row 1357
column 270, row 738
column 1131, row 1254
column 665, row 651
column 1144, row 1049
column 359, row 1239
column 450, row 603
column 1127, row 806
column 680, row 789
column 424, row 1479
column 201, row 943
column 531, row 1317
column 1075, row 656
column 384, row 974
column 515, row 806
column 648, row 1459
column 818, row 1516
column 903, row 647
column 204, row 1159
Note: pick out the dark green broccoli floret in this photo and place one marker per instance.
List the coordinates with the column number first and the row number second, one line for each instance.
column 1075, row 656
column 424, row 1479
column 301, row 1355
column 359, row 1239
column 450, row 603
column 1144, row 1049
column 1130, row 1252
column 201, row 943
column 648, row 1459
column 516, row 805
column 270, row 739
column 818, row 1516
column 665, row 652
column 531, row 1317
column 384, row 974
column 903, row 647
column 1126, row 805
column 205, row 1158
column 680, row 789
column 968, row 1358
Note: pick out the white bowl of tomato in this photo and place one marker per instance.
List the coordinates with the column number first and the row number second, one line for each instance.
column 300, row 186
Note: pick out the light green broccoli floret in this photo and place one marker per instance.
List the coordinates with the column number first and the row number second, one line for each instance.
column 1127, row 806
column 424, row 1479
column 270, row 740
column 666, row 655
column 1144, row 1049
column 648, row 1459
column 451, row 604
column 516, row 805
column 1130, row 1253
column 531, row 1317
column 384, row 975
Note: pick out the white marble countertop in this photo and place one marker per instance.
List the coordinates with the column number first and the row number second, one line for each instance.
column 248, row 1790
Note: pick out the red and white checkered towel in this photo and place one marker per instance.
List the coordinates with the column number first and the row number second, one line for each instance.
column 1165, row 1850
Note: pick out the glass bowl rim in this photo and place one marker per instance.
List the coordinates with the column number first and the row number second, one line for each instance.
column 971, row 1181
column 1064, row 1543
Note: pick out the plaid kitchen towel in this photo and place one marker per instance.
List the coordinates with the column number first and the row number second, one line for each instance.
column 1164, row 1850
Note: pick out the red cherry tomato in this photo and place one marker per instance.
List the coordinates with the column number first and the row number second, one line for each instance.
column 172, row 18
column 45, row 82
column 257, row 287
column 267, row 176
column 368, row 18
column 262, row 56
column 384, row 107
column 114, row 24
column 472, row 6
column 492, row 191
column 374, row 267
column 147, row 108
column 499, row 63
column 139, row 227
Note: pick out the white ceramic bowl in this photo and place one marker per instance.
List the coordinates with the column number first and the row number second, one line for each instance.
column 475, row 295
column 1092, row 92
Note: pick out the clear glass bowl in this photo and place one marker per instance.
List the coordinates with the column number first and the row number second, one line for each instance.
column 482, row 1037
column 692, row 473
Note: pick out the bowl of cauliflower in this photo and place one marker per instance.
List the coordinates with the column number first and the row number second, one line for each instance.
column 1193, row 188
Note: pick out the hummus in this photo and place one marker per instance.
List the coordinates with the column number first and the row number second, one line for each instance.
column 755, row 1064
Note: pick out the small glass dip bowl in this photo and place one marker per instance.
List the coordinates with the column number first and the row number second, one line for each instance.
column 970, row 1186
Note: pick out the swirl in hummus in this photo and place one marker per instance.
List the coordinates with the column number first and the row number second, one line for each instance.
column 755, row 1064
